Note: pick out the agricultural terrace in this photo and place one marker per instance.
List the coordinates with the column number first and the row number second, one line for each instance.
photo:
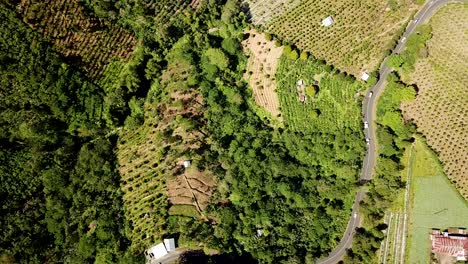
column 155, row 183
column 434, row 203
column 80, row 37
column 261, row 69
column 315, row 99
column 441, row 106
column 363, row 31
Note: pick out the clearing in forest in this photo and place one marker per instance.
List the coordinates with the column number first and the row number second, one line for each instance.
column 261, row 69
column 80, row 37
column 362, row 32
column 440, row 109
column 434, row 203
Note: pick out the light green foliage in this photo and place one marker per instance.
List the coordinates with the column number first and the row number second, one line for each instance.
column 335, row 100
column 415, row 44
column 217, row 57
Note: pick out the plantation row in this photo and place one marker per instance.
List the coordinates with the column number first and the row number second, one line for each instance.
column 83, row 39
column 440, row 108
column 357, row 41
column 263, row 11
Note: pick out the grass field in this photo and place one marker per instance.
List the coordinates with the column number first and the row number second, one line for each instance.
column 358, row 40
column 332, row 100
column 441, row 106
column 434, row 204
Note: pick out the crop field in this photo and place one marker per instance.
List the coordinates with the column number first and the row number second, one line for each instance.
column 81, row 38
column 263, row 11
column 434, row 203
column 261, row 69
column 358, row 40
column 332, row 100
column 441, row 106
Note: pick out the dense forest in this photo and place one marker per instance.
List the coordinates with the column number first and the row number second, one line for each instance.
column 59, row 132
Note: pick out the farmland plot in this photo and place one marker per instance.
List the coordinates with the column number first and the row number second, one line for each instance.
column 261, row 69
column 441, row 106
column 332, row 99
column 155, row 183
column 81, row 38
column 357, row 41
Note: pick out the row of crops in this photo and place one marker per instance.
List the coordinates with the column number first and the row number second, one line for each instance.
column 335, row 105
column 441, row 105
column 83, row 39
column 357, row 41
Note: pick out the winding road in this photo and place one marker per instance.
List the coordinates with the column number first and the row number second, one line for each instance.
column 368, row 111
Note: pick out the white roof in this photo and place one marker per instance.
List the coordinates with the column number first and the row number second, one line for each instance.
column 157, row 251
column 328, row 21
column 187, row 163
column 364, row 76
column 300, row 82
column 170, row 244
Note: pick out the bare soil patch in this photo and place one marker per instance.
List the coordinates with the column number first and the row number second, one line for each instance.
column 261, row 70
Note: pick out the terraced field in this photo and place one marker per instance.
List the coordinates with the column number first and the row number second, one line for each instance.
column 80, row 37
column 441, row 107
column 155, row 182
column 358, row 40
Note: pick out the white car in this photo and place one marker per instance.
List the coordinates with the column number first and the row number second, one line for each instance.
column 415, row 21
column 367, row 141
column 354, row 215
column 403, row 39
column 370, row 94
column 366, row 125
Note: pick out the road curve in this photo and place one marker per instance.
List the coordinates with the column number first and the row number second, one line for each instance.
column 368, row 111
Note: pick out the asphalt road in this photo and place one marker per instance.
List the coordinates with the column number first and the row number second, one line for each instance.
column 369, row 111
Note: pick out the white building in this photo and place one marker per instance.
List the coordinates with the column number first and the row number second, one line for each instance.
column 155, row 252
column 186, row 163
column 365, row 76
column 160, row 250
column 170, row 244
column 328, row 21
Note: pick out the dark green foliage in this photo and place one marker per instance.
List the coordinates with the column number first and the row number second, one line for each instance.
column 58, row 174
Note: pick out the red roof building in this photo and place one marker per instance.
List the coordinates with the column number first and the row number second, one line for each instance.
column 454, row 244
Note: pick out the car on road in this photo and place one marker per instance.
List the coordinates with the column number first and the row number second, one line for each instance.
column 354, row 215
column 366, row 125
column 403, row 39
column 367, row 141
column 415, row 21
column 370, row 94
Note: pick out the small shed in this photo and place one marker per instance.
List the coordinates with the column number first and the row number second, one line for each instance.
column 365, row 76
column 300, row 82
column 328, row 21
column 170, row 244
column 186, row 163
column 155, row 252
